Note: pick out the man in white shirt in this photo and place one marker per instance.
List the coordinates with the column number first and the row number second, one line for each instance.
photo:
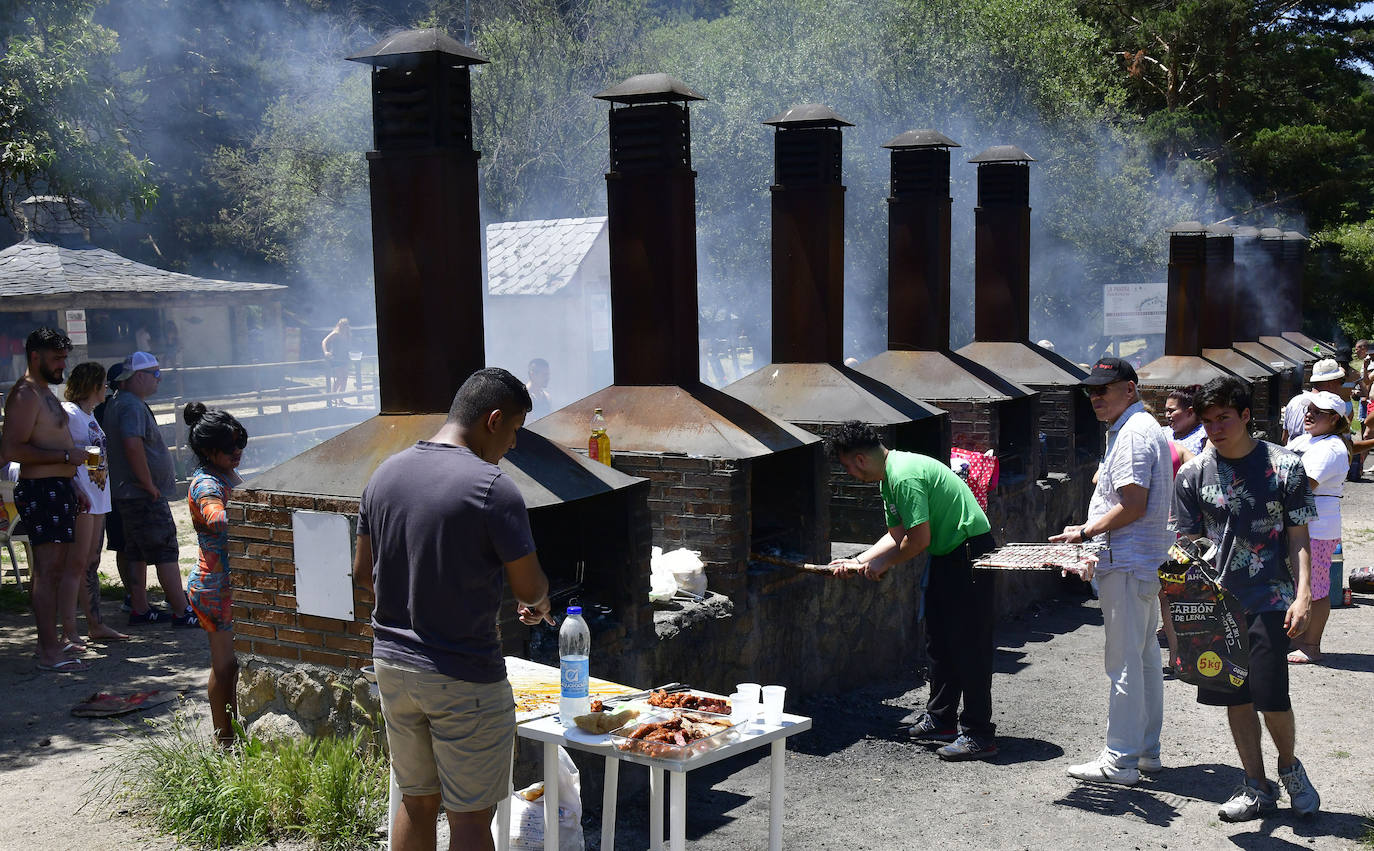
column 1130, row 507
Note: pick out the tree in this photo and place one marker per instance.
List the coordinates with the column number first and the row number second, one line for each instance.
column 64, row 116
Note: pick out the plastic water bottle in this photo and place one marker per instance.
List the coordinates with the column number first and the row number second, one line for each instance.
column 574, row 647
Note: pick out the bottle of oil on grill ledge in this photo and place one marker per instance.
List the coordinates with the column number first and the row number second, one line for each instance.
column 599, row 444
column 574, row 668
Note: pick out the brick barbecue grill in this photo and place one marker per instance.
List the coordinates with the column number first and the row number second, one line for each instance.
column 590, row 522
column 987, row 411
column 1002, row 313
column 726, row 478
column 806, row 384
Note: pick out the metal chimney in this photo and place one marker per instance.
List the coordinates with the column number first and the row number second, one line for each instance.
column 1187, row 254
column 918, row 233
column 426, row 236
column 1002, row 246
column 1277, row 300
column 808, row 236
column 651, row 223
column 1219, row 292
column 1294, row 265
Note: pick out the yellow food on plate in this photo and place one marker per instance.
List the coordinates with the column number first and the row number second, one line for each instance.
column 605, row 722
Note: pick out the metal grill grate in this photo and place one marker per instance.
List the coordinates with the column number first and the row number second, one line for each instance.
column 1071, row 558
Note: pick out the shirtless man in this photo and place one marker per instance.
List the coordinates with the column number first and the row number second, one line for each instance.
column 36, row 436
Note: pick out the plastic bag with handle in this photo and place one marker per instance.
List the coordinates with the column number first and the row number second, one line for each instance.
column 527, row 816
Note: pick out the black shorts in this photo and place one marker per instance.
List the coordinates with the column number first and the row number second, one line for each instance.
column 48, row 507
column 114, row 529
column 150, row 534
column 1267, row 684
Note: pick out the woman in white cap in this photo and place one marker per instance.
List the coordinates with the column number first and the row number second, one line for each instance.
column 1325, row 458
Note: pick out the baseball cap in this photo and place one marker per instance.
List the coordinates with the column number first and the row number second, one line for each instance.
column 1109, row 369
column 140, row 360
column 114, row 375
column 1327, row 401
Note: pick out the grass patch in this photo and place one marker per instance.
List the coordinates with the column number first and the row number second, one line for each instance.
column 1368, row 837
column 332, row 791
column 12, row 599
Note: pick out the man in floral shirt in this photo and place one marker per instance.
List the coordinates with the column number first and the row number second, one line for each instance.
column 1251, row 498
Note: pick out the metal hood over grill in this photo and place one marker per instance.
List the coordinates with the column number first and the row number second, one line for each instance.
column 806, row 382
column 658, row 403
column 427, row 252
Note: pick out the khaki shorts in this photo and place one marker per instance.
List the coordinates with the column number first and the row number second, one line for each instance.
column 448, row 736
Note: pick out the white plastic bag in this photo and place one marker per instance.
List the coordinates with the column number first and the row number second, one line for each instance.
column 661, row 584
column 527, row 817
column 686, row 569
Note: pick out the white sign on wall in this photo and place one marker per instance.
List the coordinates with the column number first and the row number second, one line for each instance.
column 324, row 564
column 1129, row 309
column 76, row 326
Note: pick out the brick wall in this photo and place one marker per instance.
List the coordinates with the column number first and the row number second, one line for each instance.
column 266, row 622
column 699, row 503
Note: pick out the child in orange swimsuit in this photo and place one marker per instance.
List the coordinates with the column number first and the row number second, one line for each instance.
column 218, row 440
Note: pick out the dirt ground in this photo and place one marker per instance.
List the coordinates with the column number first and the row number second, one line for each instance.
column 853, row 782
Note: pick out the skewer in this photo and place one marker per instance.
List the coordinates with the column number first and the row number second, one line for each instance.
column 805, row 566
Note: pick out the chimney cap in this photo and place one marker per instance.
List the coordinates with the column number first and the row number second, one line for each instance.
column 1003, row 154
column 808, row 115
column 1220, row 229
column 1187, row 227
column 1293, row 235
column 55, row 215
column 1270, row 233
column 1247, row 232
column 921, row 139
column 649, row 88
column 392, row 49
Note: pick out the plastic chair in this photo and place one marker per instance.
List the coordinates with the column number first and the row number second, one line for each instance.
column 12, row 532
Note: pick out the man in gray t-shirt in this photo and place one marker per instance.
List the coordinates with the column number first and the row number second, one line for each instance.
column 439, row 525
column 142, row 479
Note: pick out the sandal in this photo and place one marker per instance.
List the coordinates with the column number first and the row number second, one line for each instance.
column 73, row 647
column 66, row 666
column 1299, row 657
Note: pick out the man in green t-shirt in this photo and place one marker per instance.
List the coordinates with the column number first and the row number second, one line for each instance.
column 929, row 508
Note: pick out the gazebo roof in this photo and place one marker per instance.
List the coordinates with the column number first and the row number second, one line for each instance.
column 45, row 273
column 538, row 257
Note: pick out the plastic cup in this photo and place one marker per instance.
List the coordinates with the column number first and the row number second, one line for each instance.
column 749, row 697
column 93, row 457
column 772, row 704
column 740, row 709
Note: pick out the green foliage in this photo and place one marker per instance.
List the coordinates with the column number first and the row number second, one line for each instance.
column 1341, row 278
column 65, row 125
column 331, row 791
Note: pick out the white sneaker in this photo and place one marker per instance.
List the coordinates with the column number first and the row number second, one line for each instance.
column 1250, row 801
column 1103, row 770
column 1149, row 764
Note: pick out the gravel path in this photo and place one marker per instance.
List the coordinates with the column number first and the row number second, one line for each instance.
column 853, row 782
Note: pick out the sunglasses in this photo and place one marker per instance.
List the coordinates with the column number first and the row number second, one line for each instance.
column 155, row 373
column 1098, row 389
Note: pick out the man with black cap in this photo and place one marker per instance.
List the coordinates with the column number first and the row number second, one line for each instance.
column 1129, row 512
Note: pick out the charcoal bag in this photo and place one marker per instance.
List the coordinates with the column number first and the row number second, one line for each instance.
column 1213, row 646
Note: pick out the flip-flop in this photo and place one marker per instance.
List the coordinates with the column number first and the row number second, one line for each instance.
column 74, row 647
column 1298, row 657
column 66, row 666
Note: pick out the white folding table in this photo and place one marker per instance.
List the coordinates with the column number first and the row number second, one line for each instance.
column 550, row 732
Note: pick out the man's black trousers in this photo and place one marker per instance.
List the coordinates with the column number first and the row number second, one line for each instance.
column 959, row 623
